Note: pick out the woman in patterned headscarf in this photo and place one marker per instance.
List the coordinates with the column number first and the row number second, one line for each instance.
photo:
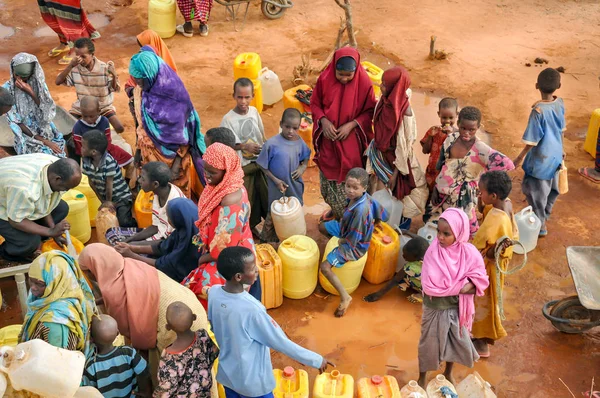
column 31, row 116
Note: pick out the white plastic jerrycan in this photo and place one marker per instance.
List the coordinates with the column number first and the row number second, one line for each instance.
column 529, row 230
column 428, row 231
column 288, row 217
column 393, row 206
column 43, row 369
column 473, row 386
column 271, row 86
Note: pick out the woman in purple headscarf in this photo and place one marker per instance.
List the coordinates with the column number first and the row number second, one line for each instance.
column 169, row 131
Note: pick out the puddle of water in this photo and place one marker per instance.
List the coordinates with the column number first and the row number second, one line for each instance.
column 98, row 21
column 6, row 31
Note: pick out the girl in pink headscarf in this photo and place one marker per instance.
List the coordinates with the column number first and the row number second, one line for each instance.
column 453, row 272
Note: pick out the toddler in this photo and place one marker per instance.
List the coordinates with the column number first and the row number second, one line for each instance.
column 185, row 368
column 543, row 150
column 354, row 230
column 284, row 159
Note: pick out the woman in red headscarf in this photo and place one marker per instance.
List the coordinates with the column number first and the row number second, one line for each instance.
column 342, row 106
column 391, row 160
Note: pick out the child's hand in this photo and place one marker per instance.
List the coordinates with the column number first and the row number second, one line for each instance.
column 299, row 171
column 124, row 249
column 469, row 288
column 251, row 147
column 324, row 365
column 435, row 131
column 517, row 161
column 76, row 60
column 329, row 129
column 108, row 205
column 504, row 245
column 282, row 186
column 111, row 68
column 447, row 129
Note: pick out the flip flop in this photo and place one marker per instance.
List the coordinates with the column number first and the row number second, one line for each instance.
column 66, row 60
column 543, row 233
column 326, row 216
column 181, row 30
column 56, row 51
column 584, row 173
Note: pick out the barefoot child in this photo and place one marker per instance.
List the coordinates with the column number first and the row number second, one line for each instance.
column 543, row 150
column 115, row 371
column 245, row 332
column 354, row 230
column 498, row 221
column 284, row 160
column 185, row 368
column 453, row 272
column 408, row 277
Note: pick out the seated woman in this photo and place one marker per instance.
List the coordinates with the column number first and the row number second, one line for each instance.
column 60, row 305
column 30, row 118
column 176, row 256
column 223, row 219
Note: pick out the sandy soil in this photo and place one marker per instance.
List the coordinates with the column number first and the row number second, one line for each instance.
column 489, row 42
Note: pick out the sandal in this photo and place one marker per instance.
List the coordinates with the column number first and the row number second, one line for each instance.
column 66, row 60
column 56, row 51
column 585, row 174
column 181, row 30
column 543, row 233
column 326, row 216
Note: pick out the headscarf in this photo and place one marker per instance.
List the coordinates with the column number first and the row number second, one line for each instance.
column 391, row 109
column 168, row 115
column 446, row 270
column 150, row 38
column 221, row 157
column 180, row 255
column 342, row 103
column 131, row 292
column 67, row 300
column 43, row 113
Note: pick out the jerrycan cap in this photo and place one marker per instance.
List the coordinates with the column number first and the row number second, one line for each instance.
column 531, row 220
column 335, row 374
column 304, row 125
column 387, row 240
column 288, row 372
column 376, row 380
column 80, row 196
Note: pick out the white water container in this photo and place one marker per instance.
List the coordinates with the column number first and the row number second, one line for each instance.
column 43, row 369
column 529, row 230
column 271, row 86
column 87, row 392
column 288, row 217
column 392, row 205
column 428, row 231
column 473, row 386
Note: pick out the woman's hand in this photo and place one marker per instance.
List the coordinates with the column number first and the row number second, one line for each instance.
column 25, row 87
column 391, row 185
column 53, row 146
column 124, row 249
column 329, row 130
column 345, row 130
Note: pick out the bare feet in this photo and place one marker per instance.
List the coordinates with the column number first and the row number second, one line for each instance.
column 422, row 379
column 343, row 307
column 483, row 349
column 590, row 174
column 373, row 297
column 450, row 378
column 415, row 298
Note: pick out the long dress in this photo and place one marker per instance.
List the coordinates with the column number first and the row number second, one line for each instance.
column 67, row 19
column 195, row 10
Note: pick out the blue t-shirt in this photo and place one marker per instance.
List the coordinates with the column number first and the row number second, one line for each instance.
column 545, row 132
column 282, row 157
column 245, row 332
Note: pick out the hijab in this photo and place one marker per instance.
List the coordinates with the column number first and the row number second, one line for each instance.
column 391, row 109
column 446, row 270
column 179, row 254
column 151, row 39
column 131, row 292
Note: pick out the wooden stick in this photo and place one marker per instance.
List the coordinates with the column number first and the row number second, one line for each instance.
column 573, row 395
column 432, row 47
column 592, row 389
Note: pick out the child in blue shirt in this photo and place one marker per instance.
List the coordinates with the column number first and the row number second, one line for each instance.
column 283, row 159
column 245, row 332
column 354, row 230
column 543, row 150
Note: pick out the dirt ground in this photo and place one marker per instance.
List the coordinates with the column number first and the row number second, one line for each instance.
column 489, row 42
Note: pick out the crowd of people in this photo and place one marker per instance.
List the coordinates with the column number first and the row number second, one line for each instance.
column 185, row 290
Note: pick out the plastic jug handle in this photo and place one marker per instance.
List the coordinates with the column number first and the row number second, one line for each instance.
column 8, row 351
column 262, row 71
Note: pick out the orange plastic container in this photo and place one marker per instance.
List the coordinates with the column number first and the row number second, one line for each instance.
column 306, row 132
column 143, row 208
column 196, row 184
column 247, row 65
column 290, row 100
column 334, row 384
column 50, row 244
column 269, row 268
column 382, row 256
column 378, row 387
column 291, row 383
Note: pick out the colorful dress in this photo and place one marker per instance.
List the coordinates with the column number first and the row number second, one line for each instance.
column 67, row 19
column 457, row 183
column 195, row 10
column 228, row 226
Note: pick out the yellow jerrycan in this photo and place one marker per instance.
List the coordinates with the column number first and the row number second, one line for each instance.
column 79, row 216
column 591, row 138
column 9, row 335
column 375, row 74
column 257, row 101
column 269, row 269
column 50, row 244
column 334, row 384
column 247, row 65
column 306, row 133
column 162, row 16
column 349, row 274
column 143, row 208
column 290, row 100
column 382, row 256
column 93, row 201
column 378, row 387
column 291, row 383
column 300, row 262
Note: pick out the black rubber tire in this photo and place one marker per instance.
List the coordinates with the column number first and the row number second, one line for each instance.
column 571, row 308
column 271, row 11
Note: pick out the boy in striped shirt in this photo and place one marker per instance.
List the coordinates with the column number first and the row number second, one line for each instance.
column 117, row 372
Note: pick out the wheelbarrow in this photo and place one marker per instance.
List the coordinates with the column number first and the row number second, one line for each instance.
column 271, row 9
column 577, row 314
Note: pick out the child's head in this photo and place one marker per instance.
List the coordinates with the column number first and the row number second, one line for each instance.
column 243, row 92
column 104, row 330
column 453, row 226
column 290, row 123
column 469, row 120
column 448, row 109
column 6, row 101
column 548, row 81
column 154, row 175
column 179, row 317
column 414, row 249
column 90, row 110
column 357, row 181
column 494, row 187
column 238, row 264
column 221, row 135
column 85, row 49
column 93, row 143
column 345, row 69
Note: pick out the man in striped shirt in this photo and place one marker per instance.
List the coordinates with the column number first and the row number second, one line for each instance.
column 31, row 207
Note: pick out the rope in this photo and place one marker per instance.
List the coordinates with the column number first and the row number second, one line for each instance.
column 499, row 271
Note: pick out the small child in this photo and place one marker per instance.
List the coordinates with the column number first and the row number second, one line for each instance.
column 105, row 177
column 155, row 177
column 408, row 277
column 284, row 159
column 543, row 150
column 453, row 272
column 221, row 135
column 354, row 230
column 185, row 368
column 245, row 332
column 498, row 221
column 245, row 122
column 116, row 372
